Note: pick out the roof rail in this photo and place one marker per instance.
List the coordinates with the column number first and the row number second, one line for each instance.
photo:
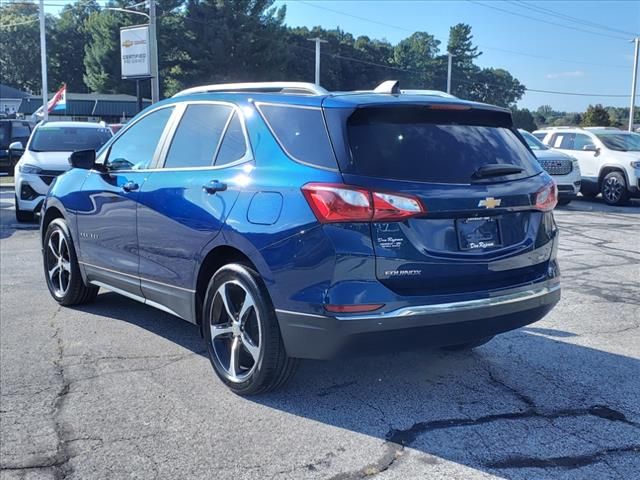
column 561, row 128
column 261, row 87
column 435, row 93
column 601, row 128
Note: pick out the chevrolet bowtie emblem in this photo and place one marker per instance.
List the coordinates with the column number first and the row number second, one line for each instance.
column 490, row 202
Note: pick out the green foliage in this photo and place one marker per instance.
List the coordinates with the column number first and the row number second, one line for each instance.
column 20, row 46
column 523, row 119
column 212, row 41
column 595, row 116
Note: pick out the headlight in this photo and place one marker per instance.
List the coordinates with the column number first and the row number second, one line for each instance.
column 635, row 164
column 26, row 168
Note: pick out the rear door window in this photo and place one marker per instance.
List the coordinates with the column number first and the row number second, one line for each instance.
column 198, row 135
column 233, row 146
column 581, row 140
column 413, row 144
column 301, row 132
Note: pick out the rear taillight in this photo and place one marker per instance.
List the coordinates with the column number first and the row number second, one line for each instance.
column 335, row 203
column 547, row 198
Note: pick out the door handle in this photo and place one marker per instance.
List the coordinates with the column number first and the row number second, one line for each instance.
column 130, row 186
column 214, row 186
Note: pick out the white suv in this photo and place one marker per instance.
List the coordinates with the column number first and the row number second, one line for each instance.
column 46, row 156
column 609, row 159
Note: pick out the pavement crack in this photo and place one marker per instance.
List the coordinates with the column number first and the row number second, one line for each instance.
column 566, row 462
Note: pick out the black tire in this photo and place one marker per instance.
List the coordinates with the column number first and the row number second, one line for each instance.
column 74, row 291
column 564, row 202
column 614, row 189
column 468, row 345
column 273, row 368
column 23, row 216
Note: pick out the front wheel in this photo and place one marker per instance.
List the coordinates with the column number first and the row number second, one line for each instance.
column 614, row 189
column 242, row 333
column 61, row 268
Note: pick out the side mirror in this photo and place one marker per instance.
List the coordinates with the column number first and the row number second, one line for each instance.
column 590, row 147
column 16, row 147
column 85, row 159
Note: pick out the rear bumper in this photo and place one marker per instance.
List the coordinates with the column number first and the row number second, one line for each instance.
column 323, row 337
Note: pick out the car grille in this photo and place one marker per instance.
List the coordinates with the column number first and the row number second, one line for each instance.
column 47, row 176
column 557, row 167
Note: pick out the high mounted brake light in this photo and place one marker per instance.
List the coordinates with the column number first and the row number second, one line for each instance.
column 338, row 203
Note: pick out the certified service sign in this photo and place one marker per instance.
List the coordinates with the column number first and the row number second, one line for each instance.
column 135, row 58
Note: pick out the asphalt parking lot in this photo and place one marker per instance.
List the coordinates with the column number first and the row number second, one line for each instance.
column 117, row 389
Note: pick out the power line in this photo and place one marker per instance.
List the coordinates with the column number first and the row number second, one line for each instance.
column 580, row 21
column 483, row 47
column 546, row 21
column 9, row 25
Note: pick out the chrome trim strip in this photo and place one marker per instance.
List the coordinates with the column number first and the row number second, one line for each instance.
column 458, row 306
column 135, row 297
column 254, row 87
column 279, row 310
column 136, row 277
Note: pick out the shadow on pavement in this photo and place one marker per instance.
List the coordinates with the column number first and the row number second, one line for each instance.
column 525, row 401
column 8, row 223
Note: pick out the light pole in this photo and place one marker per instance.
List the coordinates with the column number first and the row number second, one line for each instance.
column 43, row 64
column 318, row 41
column 634, row 81
column 450, row 55
column 153, row 45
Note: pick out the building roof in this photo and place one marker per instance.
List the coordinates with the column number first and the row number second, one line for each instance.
column 90, row 105
column 9, row 92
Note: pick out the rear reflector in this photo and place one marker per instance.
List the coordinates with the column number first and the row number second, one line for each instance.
column 334, row 203
column 353, row 308
column 547, row 197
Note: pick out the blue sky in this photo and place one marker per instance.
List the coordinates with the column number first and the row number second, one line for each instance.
column 574, row 61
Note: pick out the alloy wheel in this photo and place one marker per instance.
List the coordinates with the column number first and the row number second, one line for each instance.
column 58, row 263
column 236, row 332
column 612, row 189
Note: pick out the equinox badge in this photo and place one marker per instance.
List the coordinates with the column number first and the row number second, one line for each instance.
column 490, row 202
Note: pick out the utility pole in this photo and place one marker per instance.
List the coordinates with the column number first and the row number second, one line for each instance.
column 450, row 55
column 318, row 41
column 43, row 64
column 153, row 40
column 634, row 81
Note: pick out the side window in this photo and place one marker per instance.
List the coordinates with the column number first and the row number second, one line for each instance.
column 197, row 137
column 581, row 140
column 136, row 147
column 563, row 141
column 233, row 145
column 301, row 132
column 20, row 130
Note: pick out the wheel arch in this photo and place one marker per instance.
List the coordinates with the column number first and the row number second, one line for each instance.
column 52, row 212
column 607, row 169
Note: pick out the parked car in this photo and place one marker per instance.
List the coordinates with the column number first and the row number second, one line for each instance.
column 291, row 222
column 46, row 156
column 563, row 168
column 12, row 131
column 609, row 160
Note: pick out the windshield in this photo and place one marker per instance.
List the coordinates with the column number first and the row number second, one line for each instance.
column 533, row 142
column 408, row 143
column 68, row 139
column 622, row 142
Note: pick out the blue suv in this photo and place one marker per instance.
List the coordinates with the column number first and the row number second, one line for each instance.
column 291, row 222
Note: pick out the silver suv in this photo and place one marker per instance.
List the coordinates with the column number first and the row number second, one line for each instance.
column 609, row 159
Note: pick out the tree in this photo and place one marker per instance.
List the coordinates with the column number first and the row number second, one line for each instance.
column 496, row 86
column 416, row 55
column 20, row 46
column 596, row 116
column 66, row 47
column 523, row 119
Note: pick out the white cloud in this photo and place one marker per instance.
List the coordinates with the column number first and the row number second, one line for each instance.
column 576, row 73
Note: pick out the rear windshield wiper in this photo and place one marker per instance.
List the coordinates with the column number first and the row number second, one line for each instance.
column 495, row 170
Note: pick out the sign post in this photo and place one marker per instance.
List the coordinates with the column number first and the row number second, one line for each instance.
column 135, row 56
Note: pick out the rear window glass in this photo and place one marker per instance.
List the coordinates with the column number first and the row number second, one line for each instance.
column 233, row 145
column 411, row 143
column 301, row 132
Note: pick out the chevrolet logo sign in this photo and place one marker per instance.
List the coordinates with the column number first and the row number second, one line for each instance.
column 490, row 202
column 127, row 43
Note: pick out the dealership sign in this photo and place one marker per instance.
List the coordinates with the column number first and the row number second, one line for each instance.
column 135, row 57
